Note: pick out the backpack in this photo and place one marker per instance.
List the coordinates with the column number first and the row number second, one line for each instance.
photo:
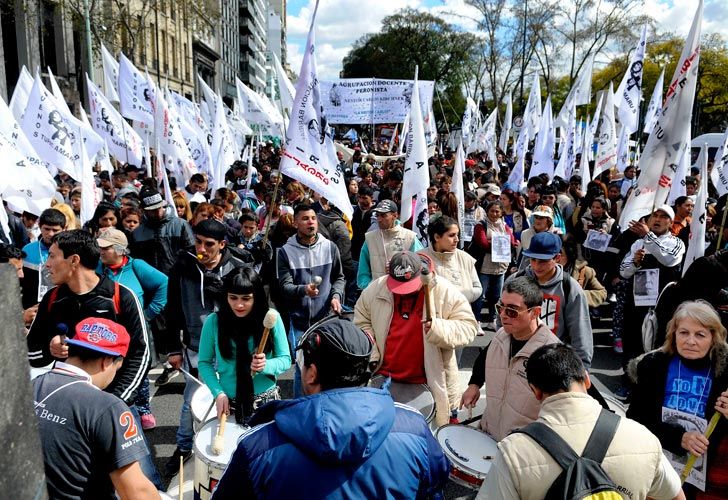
column 649, row 323
column 116, row 299
column 583, row 477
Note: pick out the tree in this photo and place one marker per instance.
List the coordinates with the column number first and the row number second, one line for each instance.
column 712, row 88
column 411, row 38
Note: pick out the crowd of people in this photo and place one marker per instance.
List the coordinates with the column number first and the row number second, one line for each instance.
column 189, row 283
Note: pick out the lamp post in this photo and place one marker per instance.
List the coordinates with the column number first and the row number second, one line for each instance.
column 87, row 22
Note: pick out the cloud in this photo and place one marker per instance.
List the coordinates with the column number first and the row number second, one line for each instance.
column 340, row 23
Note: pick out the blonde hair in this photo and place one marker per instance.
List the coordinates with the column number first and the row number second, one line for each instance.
column 71, row 220
column 180, row 200
column 701, row 312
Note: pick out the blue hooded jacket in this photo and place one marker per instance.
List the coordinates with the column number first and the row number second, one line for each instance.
column 341, row 443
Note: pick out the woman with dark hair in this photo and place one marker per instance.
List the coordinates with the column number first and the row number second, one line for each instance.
column 448, row 204
column 239, row 379
column 106, row 215
column 513, row 214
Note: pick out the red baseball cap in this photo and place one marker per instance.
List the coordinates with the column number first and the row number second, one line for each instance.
column 102, row 335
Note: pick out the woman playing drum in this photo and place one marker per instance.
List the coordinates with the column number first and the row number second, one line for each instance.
column 228, row 344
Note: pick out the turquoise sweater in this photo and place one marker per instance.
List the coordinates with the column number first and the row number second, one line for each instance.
column 224, row 379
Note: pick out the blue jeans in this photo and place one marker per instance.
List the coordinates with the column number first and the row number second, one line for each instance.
column 492, row 285
column 185, row 431
column 294, row 335
column 147, row 463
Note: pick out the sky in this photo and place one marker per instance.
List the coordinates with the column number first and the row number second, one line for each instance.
column 341, row 22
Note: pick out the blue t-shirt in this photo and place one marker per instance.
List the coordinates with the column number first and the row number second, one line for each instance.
column 687, row 389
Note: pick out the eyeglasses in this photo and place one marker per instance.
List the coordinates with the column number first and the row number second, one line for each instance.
column 511, row 312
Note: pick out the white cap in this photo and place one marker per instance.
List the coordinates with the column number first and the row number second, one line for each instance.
column 667, row 209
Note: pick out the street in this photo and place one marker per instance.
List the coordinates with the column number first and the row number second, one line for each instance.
column 167, row 400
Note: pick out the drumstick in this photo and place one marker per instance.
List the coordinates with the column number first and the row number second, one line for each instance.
column 692, row 458
column 426, row 279
column 181, row 475
column 269, row 321
column 217, row 442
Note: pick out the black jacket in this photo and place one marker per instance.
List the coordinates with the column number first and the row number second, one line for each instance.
column 649, row 373
column 193, row 293
column 333, row 228
column 68, row 309
column 158, row 242
column 360, row 223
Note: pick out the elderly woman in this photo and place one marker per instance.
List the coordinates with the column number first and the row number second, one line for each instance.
column 677, row 389
column 149, row 286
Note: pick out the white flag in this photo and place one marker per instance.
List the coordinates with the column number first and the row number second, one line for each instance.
column 543, row 151
column 515, row 180
column 654, row 109
column 170, row 140
column 23, row 185
column 630, row 90
column 17, row 138
column 309, row 155
column 258, row 110
column 457, row 182
column 719, row 174
column 56, row 91
column 623, row 150
column 21, row 94
column 580, row 93
column 591, row 131
column 136, row 93
column 468, row 125
column 56, row 135
column 394, row 136
column 661, row 154
column 568, row 153
column 403, row 134
column 89, row 200
column 123, row 142
column 584, row 167
column 416, row 172
column 286, row 91
column 111, row 74
column 507, row 124
column 678, row 187
column 606, row 156
column 532, row 116
column 223, row 146
column 696, row 243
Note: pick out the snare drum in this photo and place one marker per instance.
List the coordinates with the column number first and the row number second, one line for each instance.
column 209, row 467
column 470, row 451
column 201, row 402
column 418, row 396
column 615, row 405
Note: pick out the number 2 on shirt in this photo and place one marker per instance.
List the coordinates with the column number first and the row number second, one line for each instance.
column 126, row 419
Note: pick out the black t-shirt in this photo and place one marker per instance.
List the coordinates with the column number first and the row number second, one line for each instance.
column 86, row 434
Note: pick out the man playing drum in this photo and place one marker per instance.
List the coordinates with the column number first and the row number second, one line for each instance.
column 510, row 404
column 416, row 343
column 341, row 440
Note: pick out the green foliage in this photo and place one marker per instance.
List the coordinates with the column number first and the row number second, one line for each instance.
column 410, row 38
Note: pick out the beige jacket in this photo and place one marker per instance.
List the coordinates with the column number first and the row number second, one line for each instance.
column 595, row 292
column 634, row 460
column 453, row 325
column 383, row 244
column 510, row 403
column 458, row 268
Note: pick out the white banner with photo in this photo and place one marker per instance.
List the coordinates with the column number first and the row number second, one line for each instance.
column 691, row 423
column 372, row 100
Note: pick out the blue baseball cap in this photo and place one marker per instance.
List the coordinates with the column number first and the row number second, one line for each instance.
column 543, row 246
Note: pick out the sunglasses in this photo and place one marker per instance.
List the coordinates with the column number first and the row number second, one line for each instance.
column 511, row 312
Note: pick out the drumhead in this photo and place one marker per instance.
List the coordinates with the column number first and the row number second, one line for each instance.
column 206, row 435
column 467, row 448
column 615, row 405
column 418, row 396
column 200, row 403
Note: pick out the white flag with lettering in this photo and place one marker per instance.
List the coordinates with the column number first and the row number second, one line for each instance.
column 696, row 243
column 719, row 174
column 591, row 131
column 111, row 75
column 606, row 156
column 23, row 185
column 568, row 153
column 17, row 138
column 580, row 93
column 507, row 124
column 122, row 140
column 543, row 151
column 678, row 188
column 630, row 90
column 21, row 94
column 532, row 116
column 515, row 180
column 170, row 140
column 661, row 154
column 223, row 146
column 309, row 155
column 654, row 109
column 136, row 93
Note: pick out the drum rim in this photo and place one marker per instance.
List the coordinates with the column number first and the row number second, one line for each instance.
column 431, row 416
column 202, row 455
column 454, row 460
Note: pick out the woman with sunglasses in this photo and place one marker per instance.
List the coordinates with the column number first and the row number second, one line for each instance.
column 228, row 343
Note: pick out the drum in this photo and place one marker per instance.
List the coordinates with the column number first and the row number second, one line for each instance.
column 209, row 467
column 615, row 405
column 470, row 451
column 201, row 402
column 418, row 396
